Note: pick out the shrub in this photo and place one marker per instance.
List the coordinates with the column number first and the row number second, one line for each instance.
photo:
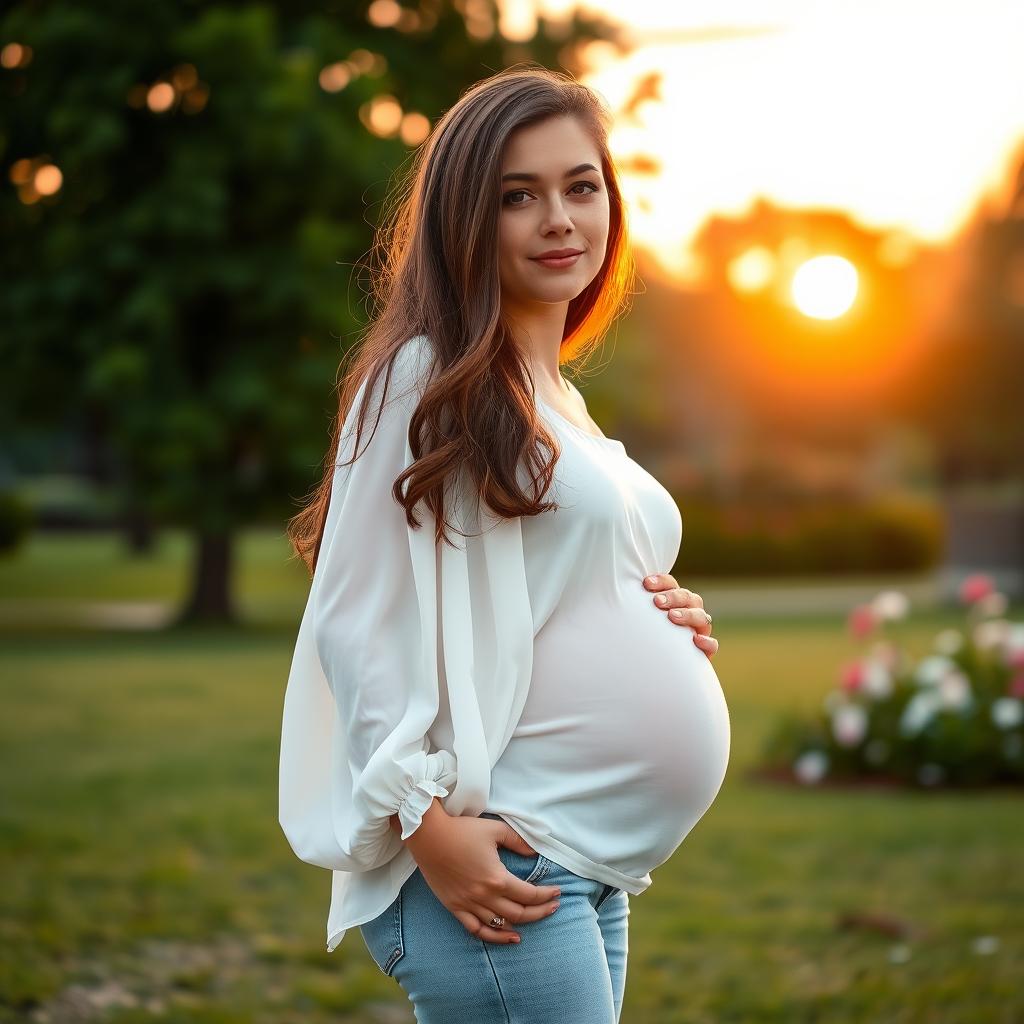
column 894, row 535
column 954, row 718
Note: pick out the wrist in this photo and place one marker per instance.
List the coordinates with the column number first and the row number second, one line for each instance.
column 429, row 823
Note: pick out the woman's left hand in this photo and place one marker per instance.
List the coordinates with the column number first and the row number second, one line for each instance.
column 684, row 607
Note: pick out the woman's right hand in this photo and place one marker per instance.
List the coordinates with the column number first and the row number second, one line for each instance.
column 458, row 857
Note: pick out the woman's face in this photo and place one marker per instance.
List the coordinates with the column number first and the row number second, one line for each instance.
column 543, row 208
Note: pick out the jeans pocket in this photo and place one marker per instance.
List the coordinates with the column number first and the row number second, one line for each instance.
column 384, row 937
column 529, row 867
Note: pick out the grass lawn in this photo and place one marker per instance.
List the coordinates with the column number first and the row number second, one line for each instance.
column 146, row 877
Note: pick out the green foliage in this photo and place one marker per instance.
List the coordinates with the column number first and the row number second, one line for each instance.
column 187, row 287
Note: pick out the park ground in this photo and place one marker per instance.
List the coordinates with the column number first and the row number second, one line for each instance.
column 146, row 876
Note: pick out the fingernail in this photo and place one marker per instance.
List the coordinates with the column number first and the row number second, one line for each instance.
column 650, row 579
column 555, row 906
column 661, row 599
column 515, row 938
column 677, row 613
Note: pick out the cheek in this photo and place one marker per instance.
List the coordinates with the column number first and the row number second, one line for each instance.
column 597, row 230
column 509, row 242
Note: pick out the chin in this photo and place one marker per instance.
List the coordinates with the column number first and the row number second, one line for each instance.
column 563, row 292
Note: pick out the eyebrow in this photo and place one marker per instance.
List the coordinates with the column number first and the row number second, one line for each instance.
column 526, row 176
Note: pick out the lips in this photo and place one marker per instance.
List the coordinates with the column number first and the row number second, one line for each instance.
column 553, row 254
column 559, row 262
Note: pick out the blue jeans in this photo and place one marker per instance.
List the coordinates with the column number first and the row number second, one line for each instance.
column 570, row 966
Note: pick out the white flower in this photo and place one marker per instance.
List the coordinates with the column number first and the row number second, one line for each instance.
column 899, row 954
column 919, row 712
column 890, row 604
column 1013, row 642
column 949, row 641
column 876, row 678
column 991, row 633
column 985, row 945
column 810, row 767
column 930, row 774
column 1008, row 712
column 992, row 604
column 849, row 724
column 955, row 691
column 931, row 669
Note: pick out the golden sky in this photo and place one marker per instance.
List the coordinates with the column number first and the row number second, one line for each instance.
column 901, row 112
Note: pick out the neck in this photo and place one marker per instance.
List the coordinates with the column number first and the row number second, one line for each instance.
column 538, row 333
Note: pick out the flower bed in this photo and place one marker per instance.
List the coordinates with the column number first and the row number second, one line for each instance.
column 954, row 718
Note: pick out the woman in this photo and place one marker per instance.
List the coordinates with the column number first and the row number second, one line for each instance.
column 493, row 727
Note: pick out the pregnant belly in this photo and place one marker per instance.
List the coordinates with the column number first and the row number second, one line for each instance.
column 624, row 714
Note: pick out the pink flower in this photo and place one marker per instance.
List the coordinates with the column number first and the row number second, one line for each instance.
column 1016, row 687
column 852, row 676
column 975, row 587
column 1016, row 659
column 861, row 621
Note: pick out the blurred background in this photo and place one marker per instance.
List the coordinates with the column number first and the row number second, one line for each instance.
column 824, row 364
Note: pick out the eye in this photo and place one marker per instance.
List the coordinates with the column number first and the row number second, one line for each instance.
column 507, row 198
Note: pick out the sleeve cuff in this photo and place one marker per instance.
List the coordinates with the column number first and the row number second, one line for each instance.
column 414, row 806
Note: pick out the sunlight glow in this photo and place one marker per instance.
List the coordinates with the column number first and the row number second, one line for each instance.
column 807, row 106
column 824, row 287
column 753, row 270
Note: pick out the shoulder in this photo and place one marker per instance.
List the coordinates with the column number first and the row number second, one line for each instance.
column 401, row 379
column 415, row 356
column 411, row 367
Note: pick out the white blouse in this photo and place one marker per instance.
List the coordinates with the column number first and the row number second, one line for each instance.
column 525, row 672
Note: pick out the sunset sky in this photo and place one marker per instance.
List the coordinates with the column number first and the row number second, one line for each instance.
column 902, row 113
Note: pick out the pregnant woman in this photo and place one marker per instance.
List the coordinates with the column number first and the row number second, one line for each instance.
column 501, row 713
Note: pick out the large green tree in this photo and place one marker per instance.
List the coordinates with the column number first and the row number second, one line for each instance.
column 184, row 290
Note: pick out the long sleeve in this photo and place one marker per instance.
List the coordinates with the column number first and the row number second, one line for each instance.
column 413, row 658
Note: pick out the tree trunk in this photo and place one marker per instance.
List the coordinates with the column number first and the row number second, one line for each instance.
column 210, row 600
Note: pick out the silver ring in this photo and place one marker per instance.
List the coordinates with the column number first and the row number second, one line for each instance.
column 708, row 617
column 497, row 922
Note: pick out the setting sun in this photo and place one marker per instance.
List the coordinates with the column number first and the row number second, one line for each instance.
column 824, row 287
column 706, row 99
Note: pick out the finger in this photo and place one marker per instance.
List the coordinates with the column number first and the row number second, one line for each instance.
column 528, row 894
column 659, row 581
column 472, row 924
column 693, row 617
column 708, row 644
column 514, row 913
column 677, row 597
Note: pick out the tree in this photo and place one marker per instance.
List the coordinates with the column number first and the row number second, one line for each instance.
column 186, row 203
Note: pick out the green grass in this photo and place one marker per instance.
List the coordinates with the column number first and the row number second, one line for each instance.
column 142, row 859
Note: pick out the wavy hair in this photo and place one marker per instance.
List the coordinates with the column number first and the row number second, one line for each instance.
column 440, row 277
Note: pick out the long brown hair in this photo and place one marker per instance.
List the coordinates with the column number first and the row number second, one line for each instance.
column 439, row 277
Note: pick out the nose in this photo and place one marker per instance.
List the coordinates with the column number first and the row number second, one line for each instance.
column 557, row 219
